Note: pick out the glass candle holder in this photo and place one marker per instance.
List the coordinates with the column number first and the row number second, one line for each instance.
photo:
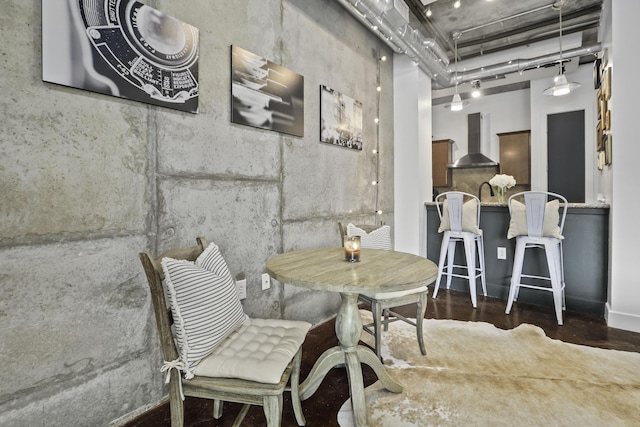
column 352, row 248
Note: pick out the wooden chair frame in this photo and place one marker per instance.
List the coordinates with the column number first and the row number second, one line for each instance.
column 381, row 307
column 269, row 396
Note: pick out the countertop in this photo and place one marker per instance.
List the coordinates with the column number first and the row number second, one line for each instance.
column 569, row 205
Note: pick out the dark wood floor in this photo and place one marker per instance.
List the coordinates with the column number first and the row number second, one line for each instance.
column 321, row 408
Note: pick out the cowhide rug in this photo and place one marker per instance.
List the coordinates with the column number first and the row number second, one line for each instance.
column 475, row 374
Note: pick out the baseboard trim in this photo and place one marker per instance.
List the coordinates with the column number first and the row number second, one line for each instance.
column 125, row 419
column 619, row 320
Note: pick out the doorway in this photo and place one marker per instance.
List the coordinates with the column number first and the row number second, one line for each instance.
column 565, row 155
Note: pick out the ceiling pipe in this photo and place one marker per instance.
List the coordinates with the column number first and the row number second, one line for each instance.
column 436, row 49
column 519, row 65
column 429, row 56
column 402, row 39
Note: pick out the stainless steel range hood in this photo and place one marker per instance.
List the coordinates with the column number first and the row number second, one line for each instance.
column 474, row 158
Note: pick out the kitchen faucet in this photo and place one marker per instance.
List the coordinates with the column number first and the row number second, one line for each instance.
column 480, row 190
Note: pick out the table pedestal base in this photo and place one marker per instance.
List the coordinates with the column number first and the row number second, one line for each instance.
column 348, row 330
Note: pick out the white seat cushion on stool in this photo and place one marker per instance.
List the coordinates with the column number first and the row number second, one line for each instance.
column 518, row 221
column 259, row 350
column 469, row 217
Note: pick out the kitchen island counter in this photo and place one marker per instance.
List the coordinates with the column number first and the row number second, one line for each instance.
column 585, row 248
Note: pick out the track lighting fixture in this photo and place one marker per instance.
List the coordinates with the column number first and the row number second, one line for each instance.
column 475, row 84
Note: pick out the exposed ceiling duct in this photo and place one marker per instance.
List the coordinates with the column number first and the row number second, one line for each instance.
column 385, row 19
column 382, row 18
column 518, row 65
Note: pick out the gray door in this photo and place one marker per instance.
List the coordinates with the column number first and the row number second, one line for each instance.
column 565, row 155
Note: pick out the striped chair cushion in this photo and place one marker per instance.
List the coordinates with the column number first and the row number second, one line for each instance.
column 204, row 304
column 380, row 238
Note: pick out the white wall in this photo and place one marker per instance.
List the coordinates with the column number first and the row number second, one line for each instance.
column 583, row 98
column 424, row 155
column 623, row 307
column 522, row 110
column 519, row 110
column 412, row 154
column 504, row 112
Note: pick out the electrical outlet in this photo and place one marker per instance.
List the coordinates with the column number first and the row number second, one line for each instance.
column 266, row 281
column 241, row 287
column 502, row 253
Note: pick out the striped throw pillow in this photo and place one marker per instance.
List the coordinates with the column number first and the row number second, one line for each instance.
column 211, row 259
column 204, row 304
column 380, row 238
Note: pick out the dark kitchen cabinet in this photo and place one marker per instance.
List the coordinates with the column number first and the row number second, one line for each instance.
column 442, row 155
column 515, row 155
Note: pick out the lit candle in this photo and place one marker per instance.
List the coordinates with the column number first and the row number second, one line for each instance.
column 352, row 248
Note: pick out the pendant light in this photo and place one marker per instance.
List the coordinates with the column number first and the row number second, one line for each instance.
column 560, row 84
column 456, row 102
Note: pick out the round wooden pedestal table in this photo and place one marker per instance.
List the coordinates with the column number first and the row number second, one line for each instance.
column 325, row 269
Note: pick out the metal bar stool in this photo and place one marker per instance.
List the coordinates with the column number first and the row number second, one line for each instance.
column 460, row 220
column 538, row 224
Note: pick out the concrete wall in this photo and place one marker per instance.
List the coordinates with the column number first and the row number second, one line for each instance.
column 87, row 181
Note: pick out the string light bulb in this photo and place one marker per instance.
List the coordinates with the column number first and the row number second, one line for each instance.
column 429, row 13
column 375, row 182
column 457, row 4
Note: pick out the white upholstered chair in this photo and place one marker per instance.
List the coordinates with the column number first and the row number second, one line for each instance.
column 223, row 354
column 460, row 222
column 379, row 237
column 537, row 224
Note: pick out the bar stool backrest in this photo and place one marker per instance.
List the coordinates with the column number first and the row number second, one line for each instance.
column 535, row 207
column 455, row 210
column 454, row 202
